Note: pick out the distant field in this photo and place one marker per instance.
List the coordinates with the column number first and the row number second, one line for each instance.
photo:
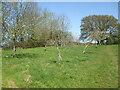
column 37, row 68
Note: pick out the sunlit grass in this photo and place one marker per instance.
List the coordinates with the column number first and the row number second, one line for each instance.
column 37, row 68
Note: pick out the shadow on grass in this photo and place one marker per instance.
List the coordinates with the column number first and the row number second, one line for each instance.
column 22, row 55
column 56, row 61
column 81, row 60
column 89, row 52
column 53, row 61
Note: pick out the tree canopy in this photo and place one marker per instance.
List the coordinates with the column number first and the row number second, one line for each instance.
column 25, row 22
column 98, row 27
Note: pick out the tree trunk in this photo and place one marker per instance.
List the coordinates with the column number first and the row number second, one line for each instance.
column 14, row 47
column 45, row 49
column 96, row 45
column 14, row 50
column 98, row 42
column 59, row 54
column 85, row 48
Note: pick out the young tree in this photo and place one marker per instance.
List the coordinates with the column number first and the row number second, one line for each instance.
column 57, row 27
column 60, row 37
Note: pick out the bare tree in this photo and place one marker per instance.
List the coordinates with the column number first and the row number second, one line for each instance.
column 61, row 27
column 19, row 19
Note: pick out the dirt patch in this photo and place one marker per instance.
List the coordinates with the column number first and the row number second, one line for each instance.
column 47, row 64
column 11, row 84
column 27, row 79
column 25, row 71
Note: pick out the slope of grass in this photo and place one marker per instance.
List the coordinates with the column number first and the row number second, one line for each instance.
column 37, row 68
column 0, row 68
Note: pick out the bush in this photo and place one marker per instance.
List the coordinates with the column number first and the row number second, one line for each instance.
column 25, row 44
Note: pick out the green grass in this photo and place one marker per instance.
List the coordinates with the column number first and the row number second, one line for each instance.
column 37, row 68
column 0, row 68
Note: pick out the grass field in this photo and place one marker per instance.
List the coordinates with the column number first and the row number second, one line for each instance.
column 37, row 68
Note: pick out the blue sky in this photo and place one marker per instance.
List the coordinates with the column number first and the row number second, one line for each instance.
column 77, row 10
